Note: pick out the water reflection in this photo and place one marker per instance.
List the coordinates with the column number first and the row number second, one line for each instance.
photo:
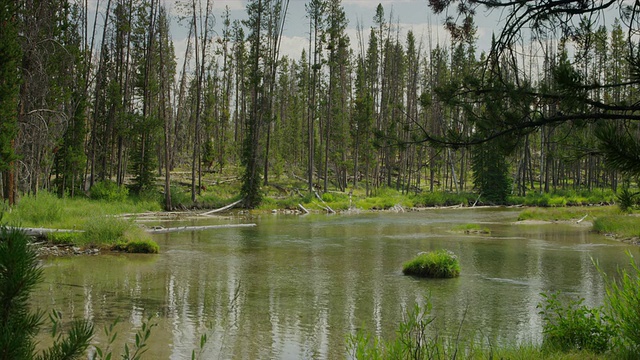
column 293, row 287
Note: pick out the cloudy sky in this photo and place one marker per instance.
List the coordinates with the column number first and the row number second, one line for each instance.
column 412, row 15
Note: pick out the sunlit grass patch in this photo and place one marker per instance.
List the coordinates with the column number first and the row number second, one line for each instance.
column 566, row 213
column 434, row 264
column 48, row 210
column 622, row 225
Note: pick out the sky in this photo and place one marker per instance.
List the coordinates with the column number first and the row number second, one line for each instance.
column 412, row 15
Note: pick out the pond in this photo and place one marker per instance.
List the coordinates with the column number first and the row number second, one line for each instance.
column 294, row 286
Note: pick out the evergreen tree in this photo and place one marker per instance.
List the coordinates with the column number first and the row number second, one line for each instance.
column 19, row 325
column 10, row 55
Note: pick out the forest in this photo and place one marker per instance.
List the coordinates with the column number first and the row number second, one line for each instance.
column 89, row 96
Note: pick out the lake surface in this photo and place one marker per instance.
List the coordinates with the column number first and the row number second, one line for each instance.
column 294, row 286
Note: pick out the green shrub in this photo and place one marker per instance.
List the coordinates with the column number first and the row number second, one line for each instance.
column 569, row 325
column 19, row 275
column 434, row 264
column 627, row 200
column 179, row 196
column 557, row 201
column 109, row 191
column 623, row 307
column 327, row 197
column 138, row 247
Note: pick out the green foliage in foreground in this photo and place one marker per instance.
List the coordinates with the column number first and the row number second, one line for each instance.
column 434, row 264
column 19, row 274
column 571, row 331
column 418, row 338
column 569, row 325
column 628, row 200
column 623, row 307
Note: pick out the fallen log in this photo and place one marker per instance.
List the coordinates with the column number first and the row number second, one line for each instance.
column 303, row 208
column 44, row 231
column 222, row 208
column 161, row 230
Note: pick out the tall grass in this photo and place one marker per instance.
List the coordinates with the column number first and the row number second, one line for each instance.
column 569, row 325
column 566, row 213
column 48, row 210
column 434, row 264
column 417, row 337
column 623, row 304
column 625, row 226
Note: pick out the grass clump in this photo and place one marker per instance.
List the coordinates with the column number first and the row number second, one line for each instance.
column 143, row 246
column 568, row 325
column 471, row 229
column 118, row 234
column 64, row 237
column 434, row 264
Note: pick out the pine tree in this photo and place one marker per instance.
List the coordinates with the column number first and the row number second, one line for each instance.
column 10, row 55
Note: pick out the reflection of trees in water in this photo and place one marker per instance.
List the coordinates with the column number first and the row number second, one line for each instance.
column 294, row 287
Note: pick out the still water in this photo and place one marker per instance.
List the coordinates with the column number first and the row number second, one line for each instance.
column 294, row 286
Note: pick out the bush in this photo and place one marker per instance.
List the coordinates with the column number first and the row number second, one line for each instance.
column 179, row 196
column 627, row 200
column 569, row 325
column 623, row 307
column 142, row 247
column 434, row 264
column 109, row 191
column 557, row 201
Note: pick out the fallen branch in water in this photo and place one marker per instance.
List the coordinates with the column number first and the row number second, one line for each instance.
column 162, row 230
